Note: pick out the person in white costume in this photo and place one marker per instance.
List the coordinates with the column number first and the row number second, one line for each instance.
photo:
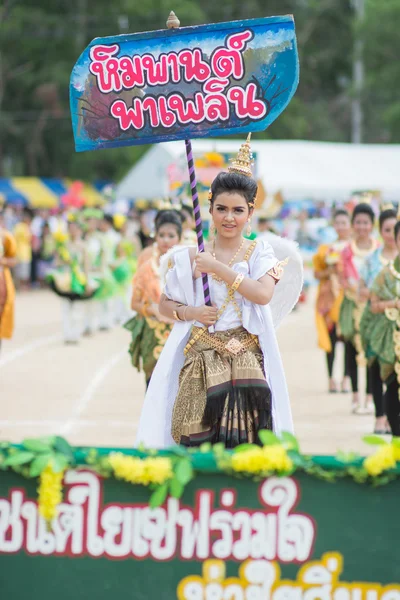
column 220, row 377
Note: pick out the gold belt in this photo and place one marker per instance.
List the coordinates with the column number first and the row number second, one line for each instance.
column 233, row 346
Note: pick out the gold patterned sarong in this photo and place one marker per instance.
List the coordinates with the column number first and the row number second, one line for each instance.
column 223, row 393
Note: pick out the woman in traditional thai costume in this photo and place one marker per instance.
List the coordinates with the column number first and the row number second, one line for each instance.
column 351, row 264
column 70, row 280
column 384, row 333
column 330, row 294
column 8, row 251
column 382, row 256
column 124, row 267
column 149, row 328
column 96, row 264
column 225, row 384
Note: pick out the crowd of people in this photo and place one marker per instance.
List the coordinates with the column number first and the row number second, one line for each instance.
column 358, row 303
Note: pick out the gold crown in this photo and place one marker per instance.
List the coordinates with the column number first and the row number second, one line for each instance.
column 386, row 206
column 244, row 161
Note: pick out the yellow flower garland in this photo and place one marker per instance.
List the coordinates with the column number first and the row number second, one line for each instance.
column 268, row 459
column 141, row 471
column 50, row 493
column 384, row 459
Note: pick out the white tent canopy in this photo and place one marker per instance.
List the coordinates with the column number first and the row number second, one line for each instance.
column 300, row 170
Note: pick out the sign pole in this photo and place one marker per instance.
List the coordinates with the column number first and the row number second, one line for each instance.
column 173, row 23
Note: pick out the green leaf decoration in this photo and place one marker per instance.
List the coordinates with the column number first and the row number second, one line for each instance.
column 60, row 462
column 178, row 451
column 39, row 464
column 61, row 445
column 159, row 496
column 37, row 445
column 244, row 448
column 268, row 438
column 19, row 458
column 206, row 447
column 176, row 488
column 290, row 441
column 184, row 471
column 218, row 449
column 374, row 440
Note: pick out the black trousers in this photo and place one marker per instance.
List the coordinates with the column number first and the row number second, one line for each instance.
column 353, row 368
column 392, row 406
column 330, row 356
column 376, row 389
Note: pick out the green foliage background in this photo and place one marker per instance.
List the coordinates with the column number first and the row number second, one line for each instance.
column 40, row 41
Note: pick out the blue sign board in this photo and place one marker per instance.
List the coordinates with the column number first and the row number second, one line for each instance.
column 192, row 82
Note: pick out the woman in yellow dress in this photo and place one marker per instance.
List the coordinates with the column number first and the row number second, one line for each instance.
column 330, row 295
column 8, row 250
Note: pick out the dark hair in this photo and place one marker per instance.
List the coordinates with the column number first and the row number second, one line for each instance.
column 396, row 230
column 170, row 217
column 340, row 212
column 230, row 183
column 28, row 212
column 188, row 209
column 363, row 209
column 390, row 213
column 108, row 219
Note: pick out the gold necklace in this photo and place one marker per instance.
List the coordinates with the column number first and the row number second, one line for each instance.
column 218, row 279
column 363, row 252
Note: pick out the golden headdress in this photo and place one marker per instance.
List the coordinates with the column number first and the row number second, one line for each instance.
column 244, row 161
column 386, row 206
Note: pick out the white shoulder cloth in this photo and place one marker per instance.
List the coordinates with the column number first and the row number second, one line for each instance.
column 155, row 421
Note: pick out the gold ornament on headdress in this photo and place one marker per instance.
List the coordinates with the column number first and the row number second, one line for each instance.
column 244, row 161
column 386, row 206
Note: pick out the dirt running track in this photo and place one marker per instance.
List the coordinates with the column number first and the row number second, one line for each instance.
column 90, row 393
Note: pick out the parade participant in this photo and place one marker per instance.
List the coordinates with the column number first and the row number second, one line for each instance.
column 373, row 265
column 330, row 296
column 146, row 220
column 94, row 256
column 223, row 386
column 384, row 333
column 70, row 279
column 108, row 291
column 125, row 266
column 149, row 328
column 189, row 226
column 23, row 237
column 352, row 260
column 47, row 250
column 8, row 251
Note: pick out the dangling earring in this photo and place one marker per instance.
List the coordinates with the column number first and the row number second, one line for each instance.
column 248, row 230
column 211, row 230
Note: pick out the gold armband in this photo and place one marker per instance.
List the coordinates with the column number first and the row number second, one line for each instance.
column 277, row 271
column 237, row 282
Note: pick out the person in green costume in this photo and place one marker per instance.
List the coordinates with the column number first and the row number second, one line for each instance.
column 372, row 267
column 384, row 333
column 352, row 260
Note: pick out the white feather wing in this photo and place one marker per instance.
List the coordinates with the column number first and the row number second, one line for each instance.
column 288, row 290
